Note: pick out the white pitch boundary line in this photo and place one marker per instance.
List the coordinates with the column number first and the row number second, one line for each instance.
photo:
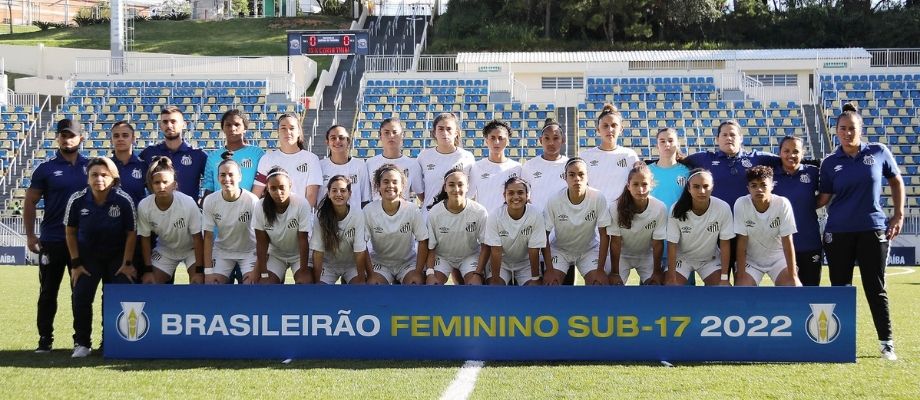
column 905, row 271
column 463, row 384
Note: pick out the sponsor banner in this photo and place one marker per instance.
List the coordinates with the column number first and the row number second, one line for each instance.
column 481, row 323
column 902, row 256
column 13, row 255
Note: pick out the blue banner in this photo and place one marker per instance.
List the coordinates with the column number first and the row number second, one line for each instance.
column 481, row 323
column 902, row 256
column 12, row 255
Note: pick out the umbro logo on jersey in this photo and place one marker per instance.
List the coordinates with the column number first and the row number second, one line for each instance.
column 774, row 223
column 537, row 174
column 84, row 212
column 527, row 231
column 349, row 234
column 716, row 162
column 485, row 175
column 292, row 224
column 713, row 227
column 592, row 215
column 58, row 173
column 805, row 178
column 838, row 168
column 686, row 230
column 444, row 230
column 378, row 229
column 593, row 163
column 563, row 218
column 179, row 224
column 114, row 211
column 303, row 168
column 405, row 228
column 186, row 160
column 137, row 174
column 245, row 217
column 246, row 163
column 869, row 160
column 217, row 217
column 471, row 227
column 749, row 224
column 651, row 225
column 430, row 167
column 621, row 163
column 746, row 163
column 503, row 233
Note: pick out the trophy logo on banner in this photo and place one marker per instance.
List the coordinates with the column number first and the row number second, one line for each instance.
column 133, row 323
column 822, row 325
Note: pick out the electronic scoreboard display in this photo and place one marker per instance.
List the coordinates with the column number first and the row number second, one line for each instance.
column 327, row 43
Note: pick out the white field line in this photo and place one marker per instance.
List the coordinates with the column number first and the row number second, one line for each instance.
column 904, row 271
column 464, row 383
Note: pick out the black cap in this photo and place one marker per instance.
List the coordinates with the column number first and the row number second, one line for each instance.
column 67, row 125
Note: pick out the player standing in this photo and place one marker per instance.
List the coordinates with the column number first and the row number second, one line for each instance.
column 799, row 183
column 188, row 162
column 340, row 162
column 445, row 156
column 391, row 140
column 301, row 165
column 233, row 124
column 488, row 175
column 608, row 163
column 545, row 172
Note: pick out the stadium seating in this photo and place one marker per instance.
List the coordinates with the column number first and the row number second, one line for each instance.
column 15, row 124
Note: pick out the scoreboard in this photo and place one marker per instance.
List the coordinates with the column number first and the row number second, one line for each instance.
column 327, row 43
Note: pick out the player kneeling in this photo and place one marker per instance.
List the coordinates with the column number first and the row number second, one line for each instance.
column 516, row 233
column 764, row 224
column 637, row 231
column 340, row 245
column 697, row 222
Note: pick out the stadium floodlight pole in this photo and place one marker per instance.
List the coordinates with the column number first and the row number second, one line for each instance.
column 117, row 36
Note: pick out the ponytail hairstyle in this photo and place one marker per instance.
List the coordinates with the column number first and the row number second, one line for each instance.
column 850, row 109
column 570, row 162
column 792, row 138
column 325, row 216
column 378, row 176
column 516, row 179
column 680, row 156
column 496, row 124
column 268, row 202
column 296, row 124
column 234, row 113
column 549, row 122
column 227, row 158
column 728, row 122
column 685, row 202
column 626, row 205
column 442, row 195
column 610, row 109
column 109, row 165
column 160, row 165
column 448, row 117
column 351, row 139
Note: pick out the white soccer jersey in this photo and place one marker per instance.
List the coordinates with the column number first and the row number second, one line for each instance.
column 434, row 165
column 408, row 165
column 355, row 170
column 174, row 227
column 764, row 229
column 303, row 167
column 575, row 226
column 515, row 237
column 232, row 221
column 608, row 170
column 393, row 237
column 282, row 234
column 651, row 224
column 456, row 236
column 699, row 235
column 487, row 182
column 351, row 230
column 546, row 178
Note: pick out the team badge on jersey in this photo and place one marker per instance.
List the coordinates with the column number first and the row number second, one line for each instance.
column 746, row 163
column 527, row 231
column 774, row 223
column 137, row 174
column 804, row 178
column 186, row 160
column 179, row 224
column 405, row 228
column 114, row 211
column 592, row 215
column 349, row 234
column 713, row 227
column 245, row 217
column 869, row 160
column 292, row 224
column 621, row 163
column 303, row 167
column 246, row 163
column 681, row 180
column 822, row 324
column 132, row 322
column 828, row 237
column 471, row 227
column 651, row 225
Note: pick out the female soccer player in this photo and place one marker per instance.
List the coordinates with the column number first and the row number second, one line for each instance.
column 176, row 220
column 488, row 175
column 340, row 162
column 579, row 218
column 233, row 123
column 391, row 140
column 857, row 229
column 609, row 163
column 282, row 222
column 545, row 172
column 100, row 236
column 799, row 183
column 395, row 228
column 302, row 165
column 456, row 227
column 669, row 173
column 446, row 155
column 340, row 243
column 764, row 225
column 699, row 231
column 516, row 234
column 228, row 214
column 637, row 230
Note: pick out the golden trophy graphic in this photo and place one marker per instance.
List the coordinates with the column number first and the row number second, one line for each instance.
column 822, row 325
